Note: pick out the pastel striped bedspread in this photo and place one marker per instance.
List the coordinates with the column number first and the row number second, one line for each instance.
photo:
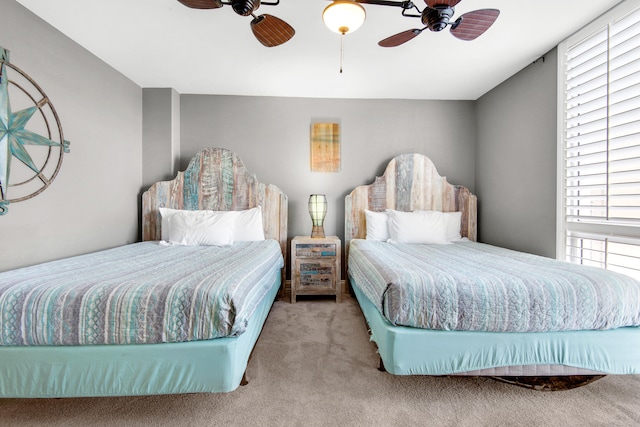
column 137, row 294
column 477, row 287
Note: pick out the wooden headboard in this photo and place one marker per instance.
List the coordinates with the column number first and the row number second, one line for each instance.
column 410, row 182
column 216, row 179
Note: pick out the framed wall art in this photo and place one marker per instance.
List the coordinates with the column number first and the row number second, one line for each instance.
column 325, row 147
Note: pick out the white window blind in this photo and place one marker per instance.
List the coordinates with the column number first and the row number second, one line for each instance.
column 622, row 255
column 601, row 146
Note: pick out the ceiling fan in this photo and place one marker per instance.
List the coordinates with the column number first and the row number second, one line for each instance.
column 269, row 30
column 436, row 17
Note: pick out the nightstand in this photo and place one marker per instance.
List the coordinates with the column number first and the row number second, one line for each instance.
column 315, row 266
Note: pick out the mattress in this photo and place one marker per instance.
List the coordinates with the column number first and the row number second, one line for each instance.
column 471, row 286
column 141, row 293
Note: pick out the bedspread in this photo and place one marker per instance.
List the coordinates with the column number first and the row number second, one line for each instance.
column 478, row 287
column 138, row 293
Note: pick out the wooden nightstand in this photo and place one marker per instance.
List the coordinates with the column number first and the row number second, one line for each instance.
column 315, row 266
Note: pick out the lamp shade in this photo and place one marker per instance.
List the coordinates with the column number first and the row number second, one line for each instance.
column 317, row 210
column 344, row 16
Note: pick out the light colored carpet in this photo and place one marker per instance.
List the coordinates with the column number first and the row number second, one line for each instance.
column 314, row 365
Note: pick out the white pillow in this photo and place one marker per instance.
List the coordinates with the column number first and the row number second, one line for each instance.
column 194, row 228
column 377, row 227
column 248, row 225
column 453, row 221
column 166, row 213
column 417, row 227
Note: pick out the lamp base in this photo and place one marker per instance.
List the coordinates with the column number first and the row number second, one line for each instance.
column 317, row 231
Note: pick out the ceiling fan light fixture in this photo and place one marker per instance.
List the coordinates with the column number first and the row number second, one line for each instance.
column 344, row 16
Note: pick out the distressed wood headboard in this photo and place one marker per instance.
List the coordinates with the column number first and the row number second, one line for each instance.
column 216, row 179
column 410, row 182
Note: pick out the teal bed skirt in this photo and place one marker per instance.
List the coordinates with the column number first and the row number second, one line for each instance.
column 414, row 351
column 208, row 366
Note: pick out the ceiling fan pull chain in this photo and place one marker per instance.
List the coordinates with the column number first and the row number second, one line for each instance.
column 341, row 51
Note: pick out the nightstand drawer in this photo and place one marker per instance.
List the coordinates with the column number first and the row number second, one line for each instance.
column 313, row 250
column 316, row 274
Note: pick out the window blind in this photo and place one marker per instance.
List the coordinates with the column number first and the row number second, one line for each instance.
column 605, row 252
column 602, row 125
column 601, row 144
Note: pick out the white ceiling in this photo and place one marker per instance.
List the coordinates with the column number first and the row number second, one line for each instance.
column 161, row 43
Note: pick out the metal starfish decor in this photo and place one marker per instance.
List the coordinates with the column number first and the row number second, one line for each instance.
column 17, row 141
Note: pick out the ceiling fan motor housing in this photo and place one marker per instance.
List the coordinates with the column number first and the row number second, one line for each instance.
column 437, row 18
column 245, row 7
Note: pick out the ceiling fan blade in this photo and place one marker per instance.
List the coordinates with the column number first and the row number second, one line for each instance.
column 434, row 3
column 271, row 31
column 400, row 38
column 202, row 4
column 471, row 25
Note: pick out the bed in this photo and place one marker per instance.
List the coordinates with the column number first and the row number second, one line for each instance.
column 180, row 315
column 454, row 307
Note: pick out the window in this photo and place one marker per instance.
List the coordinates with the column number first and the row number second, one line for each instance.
column 599, row 155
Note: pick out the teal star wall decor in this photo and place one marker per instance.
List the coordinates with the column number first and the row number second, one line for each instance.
column 17, row 141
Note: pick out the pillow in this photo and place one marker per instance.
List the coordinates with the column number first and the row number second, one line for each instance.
column 165, row 213
column 193, row 228
column 453, row 221
column 248, row 225
column 417, row 227
column 377, row 227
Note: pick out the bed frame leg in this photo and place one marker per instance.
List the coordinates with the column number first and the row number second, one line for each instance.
column 381, row 368
column 244, row 380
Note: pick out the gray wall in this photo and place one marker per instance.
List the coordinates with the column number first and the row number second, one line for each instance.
column 516, row 160
column 271, row 135
column 160, row 135
column 90, row 205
